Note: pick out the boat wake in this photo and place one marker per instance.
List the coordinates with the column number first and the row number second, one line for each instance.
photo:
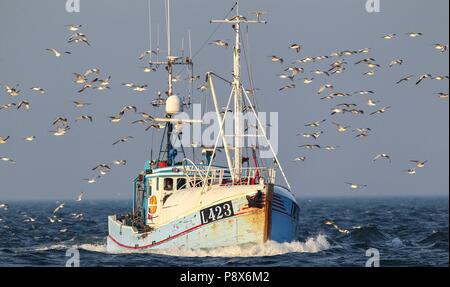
column 270, row 248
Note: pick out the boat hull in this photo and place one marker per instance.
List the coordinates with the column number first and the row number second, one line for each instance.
column 276, row 219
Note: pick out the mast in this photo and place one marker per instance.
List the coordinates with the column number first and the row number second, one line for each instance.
column 237, row 99
column 237, row 86
column 169, row 63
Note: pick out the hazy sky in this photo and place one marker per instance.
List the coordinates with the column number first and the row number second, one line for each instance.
column 415, row 128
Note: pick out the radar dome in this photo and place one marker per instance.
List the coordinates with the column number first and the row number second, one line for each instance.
column 173, row 105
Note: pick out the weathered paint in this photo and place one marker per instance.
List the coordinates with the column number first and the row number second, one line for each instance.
column 248, row 225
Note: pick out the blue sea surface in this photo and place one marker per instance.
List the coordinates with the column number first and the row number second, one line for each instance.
column 405, row 231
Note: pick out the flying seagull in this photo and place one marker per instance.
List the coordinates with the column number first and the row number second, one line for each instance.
column 382, row 156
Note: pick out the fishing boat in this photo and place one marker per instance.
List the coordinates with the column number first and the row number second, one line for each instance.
column 178, row 202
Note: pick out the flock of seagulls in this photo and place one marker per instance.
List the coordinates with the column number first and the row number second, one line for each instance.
column 340, row 63
column 93, row 79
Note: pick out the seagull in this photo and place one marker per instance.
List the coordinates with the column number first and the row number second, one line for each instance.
column 61, row 206
column 92, row 71
column 91, row 180
column 295, row 70
column 79, row 79
column 88, row 86
column 341, row 128
column 4, row 206
column 364, row 51
column 30, row 219
column 38, row 89
column 79, row 38
column 291, row 86
column 79, row 198
column 311, row 146
column 80, row 104
column 319, row 72
column 13, row 92
column 30, row 138
column 80, row 118
column 355, row 111
column 372, row 103
column 407, row 78
column 366, row 60
column 7, row 106
column 284, row 76
column 411, row 171
column 296, row 47
column 443, row 95
column 62, row 120
column 330, row 147
column 259, row 14
column 120, row 162
column 64, row 230
column 277, row 59
column 116, row 119
column 219, row 43
column 73, row 27
column 7, row 159
column 382, row 156
column 373, row 65
column 381, row 111
column 122, row 140
column 77, row 215
column 337, row 111
column 370, row 73
column 127, row 108
column 52, row 220
column 423, row 77
column 419, row 164
column 56, row 53
column 147, row 53
column 325, row 87
column 341, row 95
column 335, row 226
column 329, row 97
column 313, row 135
column 414, row 34
column 60, row 131
column 356, row 186
column 300, row 158
column 441, row 47
column 315, row 124
column 140, row 89
column 102, row 167
column 365, row 93
column 203, row 88
column 146, row 116
column 308, row 81
column 389, row 36
column 3, row 139
column 362, row 132
column 23, row 103
column 395, row 62
column 440, row 78
column 148, row 69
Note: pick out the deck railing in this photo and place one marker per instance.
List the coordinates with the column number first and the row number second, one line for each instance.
column 201, row 176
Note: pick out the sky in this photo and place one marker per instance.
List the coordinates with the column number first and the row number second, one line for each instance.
column 416, row 127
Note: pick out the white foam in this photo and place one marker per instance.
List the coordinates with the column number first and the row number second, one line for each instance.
column 270, row 248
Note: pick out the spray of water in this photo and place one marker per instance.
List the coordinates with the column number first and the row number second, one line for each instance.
column 270, row 248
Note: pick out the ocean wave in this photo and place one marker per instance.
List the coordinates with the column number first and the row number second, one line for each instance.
column 270, row 248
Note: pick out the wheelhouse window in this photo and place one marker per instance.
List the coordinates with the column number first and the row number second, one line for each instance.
column 168, row 184
column 181, row 183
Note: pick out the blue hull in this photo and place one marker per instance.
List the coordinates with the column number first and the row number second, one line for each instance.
column 285, row 210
